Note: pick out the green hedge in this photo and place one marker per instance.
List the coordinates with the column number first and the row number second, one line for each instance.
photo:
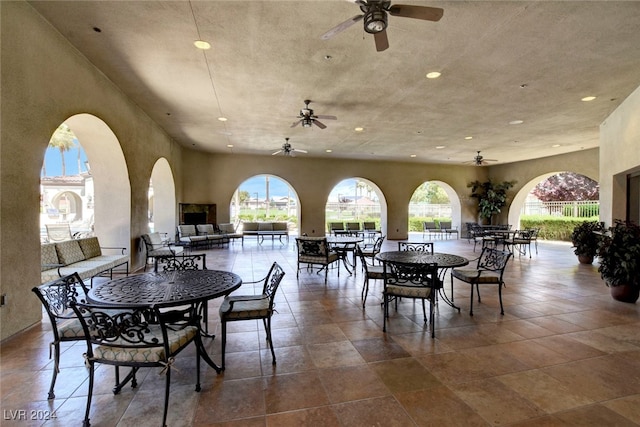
column 553, row 228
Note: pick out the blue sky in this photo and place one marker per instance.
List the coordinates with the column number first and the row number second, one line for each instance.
column 53, row 161
column 279, row 188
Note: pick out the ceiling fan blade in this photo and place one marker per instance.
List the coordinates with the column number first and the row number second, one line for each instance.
column 294, row 124
column 319, row 124
column 297, row 150
column 341, row 27
column 321, row 116
column 417, row 12
column 382, row 42
column 277, row 152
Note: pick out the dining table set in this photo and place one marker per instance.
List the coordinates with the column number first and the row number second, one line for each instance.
column 170, row 289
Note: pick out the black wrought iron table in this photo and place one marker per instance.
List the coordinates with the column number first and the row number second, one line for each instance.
column 344, row 244
column 444, row 261
column 171, row 287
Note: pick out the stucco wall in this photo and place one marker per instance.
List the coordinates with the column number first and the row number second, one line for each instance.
column 44, row 81
column 619, row 155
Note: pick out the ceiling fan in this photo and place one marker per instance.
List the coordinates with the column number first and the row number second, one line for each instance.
column 478, row 160
column 374, row 13
column 288, row 150
column 307, row 118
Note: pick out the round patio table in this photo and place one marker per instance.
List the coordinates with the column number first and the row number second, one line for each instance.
column 169, row 288
column 343, row 244
column 444, row 261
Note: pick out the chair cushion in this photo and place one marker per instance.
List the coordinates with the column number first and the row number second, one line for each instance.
column 408, row 291
column 470, row 275
column 176, row 339
column 375, row 272
column 69, row 252
column 265, row 226
column 187, row 230
column 279, row 226
column 205, row 229
column 48, row 256
column 245, row 307
column 250, row 226
column 155, row 239
column 70, row 328
column 227, row 228
column 90, row 247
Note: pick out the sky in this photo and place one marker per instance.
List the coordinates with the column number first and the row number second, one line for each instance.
column 279, row 188
column 53, row 161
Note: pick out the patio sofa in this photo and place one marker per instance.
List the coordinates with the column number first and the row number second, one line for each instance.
column 274, row 229
column 83, row 256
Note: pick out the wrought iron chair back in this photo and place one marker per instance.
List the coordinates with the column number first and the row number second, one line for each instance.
column 56, row 297
column 180, row 262
column 416, row 281
column 371, row 272
column 416, row 246
column 135, row 337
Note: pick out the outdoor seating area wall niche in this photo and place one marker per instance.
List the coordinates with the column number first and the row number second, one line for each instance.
column 194, row 214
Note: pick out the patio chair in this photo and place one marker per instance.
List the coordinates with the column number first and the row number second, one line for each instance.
column 336, row 227
column 56, row 297
column 412, row 246
column 184, row 262
column 156, row 246
column 489, row 271
column 136, row 337
column 251, row 307
column 58, row 232
column 316, row 251
column 369, row 251
column 415, row 281
column 429, row 228
column 371, row 272
column 448, row 229
column 353, row 228
column 370, row 230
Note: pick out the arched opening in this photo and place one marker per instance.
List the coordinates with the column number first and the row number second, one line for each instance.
column 265, row 198
column 110, row 185
column 356, row 200
column 566, row 194
column 162, row 199
column 434, row 201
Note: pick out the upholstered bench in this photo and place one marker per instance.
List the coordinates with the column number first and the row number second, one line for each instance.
column 83, row 256
column 267, row 228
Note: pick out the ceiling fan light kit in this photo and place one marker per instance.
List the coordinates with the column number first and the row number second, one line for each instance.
column 375, row 17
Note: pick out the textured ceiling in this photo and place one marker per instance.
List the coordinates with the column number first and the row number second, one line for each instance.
column 500, row 61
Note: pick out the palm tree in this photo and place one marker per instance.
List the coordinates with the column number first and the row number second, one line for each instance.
column 63, row 139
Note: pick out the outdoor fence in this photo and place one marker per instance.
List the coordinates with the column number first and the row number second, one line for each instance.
column 575, row 209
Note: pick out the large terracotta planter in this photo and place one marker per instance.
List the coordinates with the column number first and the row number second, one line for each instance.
column 625, row 293
column 585, row 259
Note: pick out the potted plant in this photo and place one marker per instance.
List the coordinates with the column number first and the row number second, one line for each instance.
column 585, row 238
column 619, row 253
column 491, row 197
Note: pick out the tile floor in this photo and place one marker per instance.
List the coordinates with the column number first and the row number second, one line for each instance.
column 564, row 354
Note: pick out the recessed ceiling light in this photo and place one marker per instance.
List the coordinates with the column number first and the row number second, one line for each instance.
column 413, row 155
column 329, row 151
column 433, row 75
column 201, row 44
column 229, row 145
column 588, row 98
column 439, row 147
column 555, row 146
column 516, row 122
column 222, row 119
column 359, row 129
column 468, row 137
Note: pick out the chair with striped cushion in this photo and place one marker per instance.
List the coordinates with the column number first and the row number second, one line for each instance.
column 488, row 271
column 251, row 307
column 136, row 337
column 414, row 281
column 56, row 297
